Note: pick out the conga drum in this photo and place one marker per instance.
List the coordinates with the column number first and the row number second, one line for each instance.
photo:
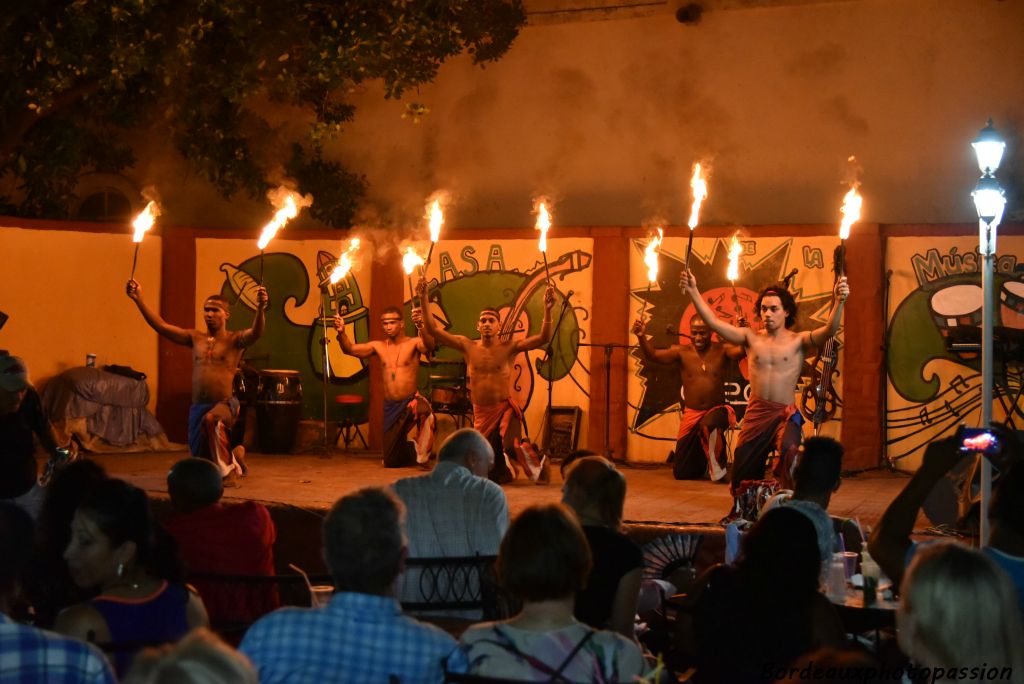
column 278, row 410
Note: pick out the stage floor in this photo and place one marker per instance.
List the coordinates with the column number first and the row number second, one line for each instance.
column 313, row 483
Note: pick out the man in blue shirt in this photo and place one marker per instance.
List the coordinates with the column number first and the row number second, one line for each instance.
column 361, row 635
column 28, row 654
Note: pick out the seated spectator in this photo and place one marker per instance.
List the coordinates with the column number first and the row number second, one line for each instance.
column 361, row 633
column 113, row 548
column 544, row 560
column 200, row 658
column 28, row 654
column 21, row 420
column 50, row 587
column 766, row 610
column 890, row 542
column 816, row 478
column 596, row 492
column 227, row 539
column 563, row 467
column 957, row 612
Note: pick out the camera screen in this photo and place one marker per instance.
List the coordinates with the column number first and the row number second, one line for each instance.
column 980, row 441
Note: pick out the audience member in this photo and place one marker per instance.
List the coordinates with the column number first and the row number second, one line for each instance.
column 200, row 658
column 956, row 615
column 219, row 538
column 766, row 610
column 543, row 561
column 361, row 632
column 50, row 587
column 455, row 510
column 817, row 477
column 596, row 492
column 21, row 419
column 890, row 542
column 573, row 456
column 114, row 548
column 28, row 654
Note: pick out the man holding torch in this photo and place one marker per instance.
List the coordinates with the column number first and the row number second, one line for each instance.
column 776, row 355
column 489, row 366
column 403, row 405
column 216, row 352
column 703, row 369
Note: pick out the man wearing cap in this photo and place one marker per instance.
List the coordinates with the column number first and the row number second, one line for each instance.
column 21, row 417
column 215, row 356
column 776, row 354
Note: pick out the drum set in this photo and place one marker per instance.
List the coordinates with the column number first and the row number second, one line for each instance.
column 449, row 391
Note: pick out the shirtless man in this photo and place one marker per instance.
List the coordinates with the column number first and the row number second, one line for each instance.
column 703, row 369
column 215, row 356
column 776, row 356
column 403, row 406
column 489, row 365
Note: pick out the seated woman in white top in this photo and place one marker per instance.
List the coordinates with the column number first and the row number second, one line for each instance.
column 543, row 561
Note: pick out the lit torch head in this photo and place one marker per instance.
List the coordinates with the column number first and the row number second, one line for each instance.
column 288, row 202
column 410, row 260
column 735, row 248
column 341, row 270
column 651, row 256
column 436, row 220
column 144, row 221
column 851, row 212
column 543, row 223
column 699, row 186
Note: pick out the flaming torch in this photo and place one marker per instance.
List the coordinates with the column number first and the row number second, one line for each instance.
column 410, row 260
column 142, row 223
column 850, row 210
column 287, row 203
column 344, row 264
column 436, row 221
column 543, row 223
column 733, row 272
column 651, row 259
column 699, row 187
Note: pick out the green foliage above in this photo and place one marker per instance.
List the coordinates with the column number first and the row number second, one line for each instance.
column 78, row 75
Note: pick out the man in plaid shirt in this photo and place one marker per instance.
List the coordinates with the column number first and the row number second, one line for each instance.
column 361, row 635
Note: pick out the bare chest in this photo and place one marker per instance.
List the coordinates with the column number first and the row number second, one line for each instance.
column 776, row 353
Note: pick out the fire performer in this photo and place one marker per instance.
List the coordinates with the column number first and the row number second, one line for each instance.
column 776, row 354
column 489, row 365
column 703, row 369
column 215, row 356
column 404, row 407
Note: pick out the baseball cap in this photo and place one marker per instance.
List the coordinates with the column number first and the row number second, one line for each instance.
column 13, row 374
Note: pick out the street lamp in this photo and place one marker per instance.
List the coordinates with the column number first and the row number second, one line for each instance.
column 989, row 201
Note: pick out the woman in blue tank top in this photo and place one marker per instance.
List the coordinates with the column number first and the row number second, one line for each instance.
column 113, row 549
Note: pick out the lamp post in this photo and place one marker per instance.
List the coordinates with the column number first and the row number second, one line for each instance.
column 989, row 201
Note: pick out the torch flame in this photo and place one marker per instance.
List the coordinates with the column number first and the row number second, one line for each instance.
column 543, row 223
column 735, row 249
column 344, row 265
column 699, row 186
column 144, row 221
column 410, row 260
column 436, row 221
column 851, row 212
column 651, row 256
column 288, row 210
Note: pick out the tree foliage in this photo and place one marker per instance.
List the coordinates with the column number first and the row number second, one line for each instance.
column 79, row 75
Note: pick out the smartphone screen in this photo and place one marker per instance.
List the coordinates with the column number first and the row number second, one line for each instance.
column 979, row 440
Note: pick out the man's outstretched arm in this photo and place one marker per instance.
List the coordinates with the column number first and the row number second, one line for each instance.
column 688, row 284
column 358, row 350
column 890, row 539
column 442, row 336
column 544, row 336
column 251, row 335
column 818, row 336
column 171, row 332
column 648, row 351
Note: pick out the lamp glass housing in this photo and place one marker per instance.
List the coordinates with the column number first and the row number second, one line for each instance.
column 988, row 148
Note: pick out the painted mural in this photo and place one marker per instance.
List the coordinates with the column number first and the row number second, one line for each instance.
column 302, row 306
column 654, row 390
column 934, row 316
column 466, row 276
